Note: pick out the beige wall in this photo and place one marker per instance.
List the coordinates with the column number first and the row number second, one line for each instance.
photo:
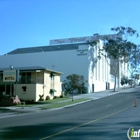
column 49, row 85
column 29, row 94
column 46, row 84
column 39, row 91
column 57, row 85
column 34, row 90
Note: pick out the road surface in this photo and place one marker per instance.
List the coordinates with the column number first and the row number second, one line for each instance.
column 107, row 118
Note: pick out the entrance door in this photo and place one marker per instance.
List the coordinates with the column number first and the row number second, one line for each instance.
column 9, row 87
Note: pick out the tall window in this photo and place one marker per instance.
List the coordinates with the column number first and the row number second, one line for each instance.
column 23, row 77
column 52, row 75
column 26, row 77
column 29, row 77
column 1, row 76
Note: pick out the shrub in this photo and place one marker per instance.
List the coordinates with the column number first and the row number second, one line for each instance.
column 55, row 97
column 29, row 101
column 61, row 96
column 22, row 100
column 47, row 97
column 65, row 94
column 41, row 97
column 124, row 80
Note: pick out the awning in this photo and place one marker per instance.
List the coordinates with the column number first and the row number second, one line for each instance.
column 53, row 90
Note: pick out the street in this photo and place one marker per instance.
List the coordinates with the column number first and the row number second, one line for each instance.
column 107, row 118
column 6, row 113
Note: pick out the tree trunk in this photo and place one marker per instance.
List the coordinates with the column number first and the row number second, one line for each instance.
column 115, row 82
column 72, row 96
column 131, row 84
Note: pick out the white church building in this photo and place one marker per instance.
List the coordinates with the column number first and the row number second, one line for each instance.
column 70, row 56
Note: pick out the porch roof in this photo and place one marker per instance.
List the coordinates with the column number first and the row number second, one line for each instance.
column 32, row 68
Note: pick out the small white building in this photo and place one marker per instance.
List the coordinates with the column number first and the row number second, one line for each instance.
column 71, row 56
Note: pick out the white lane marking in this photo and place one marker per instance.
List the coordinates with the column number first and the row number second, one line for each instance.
column 84, row 124
column 108, row 105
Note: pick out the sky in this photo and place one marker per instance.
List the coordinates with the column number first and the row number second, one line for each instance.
column 30, row 23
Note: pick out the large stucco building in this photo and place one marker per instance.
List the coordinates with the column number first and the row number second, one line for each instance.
column 70, row 56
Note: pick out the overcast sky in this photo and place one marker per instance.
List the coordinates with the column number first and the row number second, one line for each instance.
column 30, row 23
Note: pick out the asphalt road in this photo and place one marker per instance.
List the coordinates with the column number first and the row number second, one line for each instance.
column 108, row 118
column 6, row 113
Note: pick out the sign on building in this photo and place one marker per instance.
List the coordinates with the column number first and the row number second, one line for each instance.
column 9, row 76
column 79, row 39
column 71, row 40
column 82, row 52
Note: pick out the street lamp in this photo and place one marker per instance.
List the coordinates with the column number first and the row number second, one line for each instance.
column 11, row 67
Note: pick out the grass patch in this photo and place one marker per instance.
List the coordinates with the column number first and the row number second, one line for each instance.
column 53, row 101
column 62, row 104
column 26, row 105
column 56, row 100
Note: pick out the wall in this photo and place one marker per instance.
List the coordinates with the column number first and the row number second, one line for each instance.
column 57, row 85
column 47, row 85
column 34, row 90
column 63, row 61
column 30, row 93
column 99, row 70
column 99, row 86
column 39, row 91
column 66, row 61
column 82, row 61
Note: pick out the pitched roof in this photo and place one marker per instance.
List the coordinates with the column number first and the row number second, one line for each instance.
column 46, row 48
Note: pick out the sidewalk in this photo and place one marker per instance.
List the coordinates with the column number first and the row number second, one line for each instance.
column 90, row 96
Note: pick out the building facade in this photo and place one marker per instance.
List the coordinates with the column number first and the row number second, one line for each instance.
column 30, row 83
column 71, row 56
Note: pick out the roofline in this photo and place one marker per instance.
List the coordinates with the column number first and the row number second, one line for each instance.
column 54, row 71
column 30, row 68
column 49, row 48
